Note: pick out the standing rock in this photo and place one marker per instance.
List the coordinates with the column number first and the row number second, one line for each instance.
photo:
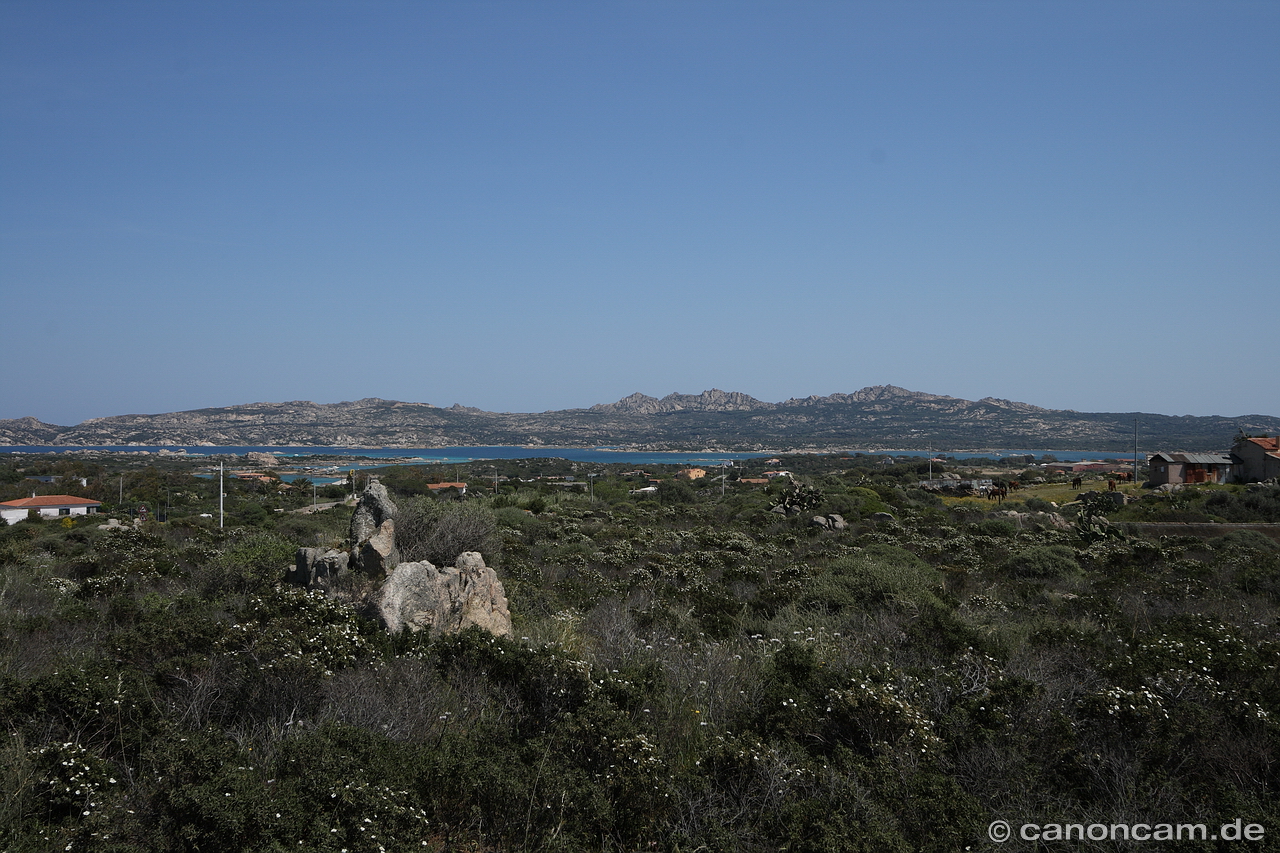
column 446, row 600
column 373, row 532
column 315, row 567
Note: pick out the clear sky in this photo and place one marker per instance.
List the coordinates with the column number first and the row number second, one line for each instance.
column 525, row 206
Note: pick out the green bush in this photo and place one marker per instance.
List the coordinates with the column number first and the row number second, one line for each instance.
column 674, row 492
column 251, row 561
column 1001, row 527
column 438, row 531
column 881, row 575
column 1043, row 561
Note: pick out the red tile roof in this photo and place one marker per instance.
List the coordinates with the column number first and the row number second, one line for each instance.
column 50, row 501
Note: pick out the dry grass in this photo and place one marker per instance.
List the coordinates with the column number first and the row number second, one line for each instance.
column 1058, row 493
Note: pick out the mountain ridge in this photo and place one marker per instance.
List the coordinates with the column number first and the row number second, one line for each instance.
column 874, row 417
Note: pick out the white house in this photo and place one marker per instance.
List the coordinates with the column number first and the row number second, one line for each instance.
column 48, row 506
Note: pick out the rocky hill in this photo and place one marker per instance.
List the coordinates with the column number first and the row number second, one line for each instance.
column 878, row 417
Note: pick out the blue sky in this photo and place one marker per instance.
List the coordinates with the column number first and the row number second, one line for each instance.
column 525, row 206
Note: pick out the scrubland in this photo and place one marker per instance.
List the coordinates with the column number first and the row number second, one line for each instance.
column 691, row 672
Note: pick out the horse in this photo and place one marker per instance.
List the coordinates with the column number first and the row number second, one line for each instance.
column 1111, row 485
column 1077, row 482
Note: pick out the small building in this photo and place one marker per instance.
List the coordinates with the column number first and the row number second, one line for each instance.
column 1255, row 459
column 439, row 487
column 47, row 506
column 1179, row 468
column 691, row 473
column 50, row 479
column 254, row 475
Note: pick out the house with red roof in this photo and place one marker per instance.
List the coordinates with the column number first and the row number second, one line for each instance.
column 1256, row 458
column 48, row 506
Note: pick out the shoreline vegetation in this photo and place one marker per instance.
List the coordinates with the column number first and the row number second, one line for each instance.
column 831, row 659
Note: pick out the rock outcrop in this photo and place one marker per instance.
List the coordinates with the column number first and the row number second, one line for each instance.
column 318, row 567
column 1034, row 519
column 420, row 596
column 1117, row 498
column 831, row 521
column 373, row 533
column 262, row 460
column 412, row 596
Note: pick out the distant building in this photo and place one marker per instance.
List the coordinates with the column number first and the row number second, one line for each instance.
column 691, row 473
column 1255, row 459
column 46, row 478
column 439, row 487
column 1178, row 468
column 48, row 506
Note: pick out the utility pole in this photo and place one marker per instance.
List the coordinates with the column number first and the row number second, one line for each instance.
column 221, row 495
column 1135, row 451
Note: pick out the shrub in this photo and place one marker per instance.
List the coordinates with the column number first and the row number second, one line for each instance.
column 996, row 527
column 673, row 492
column 1043, row 561
column 252, row 561
column 880, row 575
column 437, row 532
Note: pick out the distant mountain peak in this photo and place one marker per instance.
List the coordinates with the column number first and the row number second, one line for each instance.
column 713, row 400
column 876, row 393
column 636, row 403
column 1011, row 405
